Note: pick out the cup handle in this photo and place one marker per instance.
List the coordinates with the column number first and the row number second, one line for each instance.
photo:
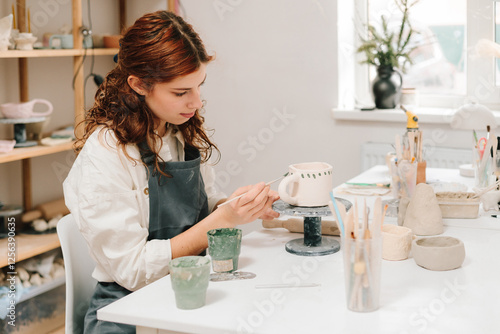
column 45, row 113
column 55, row 37
column 283, row 188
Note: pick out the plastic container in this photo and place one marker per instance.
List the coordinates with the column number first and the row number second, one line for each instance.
column 41, row 314
column 458, row 204
column 362, row 265
column 10, row 215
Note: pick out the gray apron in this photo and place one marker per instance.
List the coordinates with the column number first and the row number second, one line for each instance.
column 176, row 203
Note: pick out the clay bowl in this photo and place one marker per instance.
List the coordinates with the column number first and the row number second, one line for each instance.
column 438, row 253
column 111, row 41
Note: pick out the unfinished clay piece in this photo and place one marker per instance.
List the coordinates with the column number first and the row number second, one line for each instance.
column 423, row 215
column 396, row 242
column 490, row 200
column 459, row 204
column 438, row 253
column 307, row 184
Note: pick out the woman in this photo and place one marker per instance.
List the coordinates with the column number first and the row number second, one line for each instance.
column 140, row 190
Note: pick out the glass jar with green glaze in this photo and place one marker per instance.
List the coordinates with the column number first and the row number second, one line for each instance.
column 224, row 245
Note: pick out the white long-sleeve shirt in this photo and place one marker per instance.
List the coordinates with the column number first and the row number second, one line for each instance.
column 108, row 196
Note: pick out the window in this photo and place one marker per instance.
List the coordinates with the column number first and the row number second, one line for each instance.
column 449, row 68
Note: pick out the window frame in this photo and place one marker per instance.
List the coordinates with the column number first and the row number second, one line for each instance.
column 354, row 83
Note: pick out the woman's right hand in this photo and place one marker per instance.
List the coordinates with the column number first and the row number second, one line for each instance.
column 255, row 203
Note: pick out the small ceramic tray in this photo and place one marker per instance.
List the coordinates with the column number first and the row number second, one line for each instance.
column 7, row 145
column 458, row 204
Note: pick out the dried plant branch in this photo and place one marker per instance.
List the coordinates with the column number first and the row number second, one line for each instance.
column 388, row 48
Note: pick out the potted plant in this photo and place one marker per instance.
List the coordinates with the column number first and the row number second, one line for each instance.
column 389, row 50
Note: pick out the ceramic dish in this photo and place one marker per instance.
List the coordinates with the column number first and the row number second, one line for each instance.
column 111, row 41
column 458, row 204
column 7, row 145
column 438, row 253
column 440, row 187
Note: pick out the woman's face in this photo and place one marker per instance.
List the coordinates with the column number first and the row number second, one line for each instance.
column 175, row 102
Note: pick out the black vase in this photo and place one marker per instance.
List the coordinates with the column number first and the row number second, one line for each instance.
column 386, row 87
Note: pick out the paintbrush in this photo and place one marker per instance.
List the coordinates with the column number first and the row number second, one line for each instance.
column 377, row 219
column 339, row 218
column 239, row 196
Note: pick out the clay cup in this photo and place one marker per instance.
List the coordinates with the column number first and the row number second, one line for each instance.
column 190, row 276
column 307, row 184
column 25, row 110
column 438, row 253
column 396, row 242
column 224, row 246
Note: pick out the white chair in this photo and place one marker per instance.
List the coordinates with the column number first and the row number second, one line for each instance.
column 79, row 266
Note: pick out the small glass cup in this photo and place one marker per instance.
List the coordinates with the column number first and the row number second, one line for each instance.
column 224, row 245
column 404, row 178
column 190, row 276
column 362, row 264
column 484, row 171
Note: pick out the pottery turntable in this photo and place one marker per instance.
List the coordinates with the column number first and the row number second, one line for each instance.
column 313, row 243
column 20, row 135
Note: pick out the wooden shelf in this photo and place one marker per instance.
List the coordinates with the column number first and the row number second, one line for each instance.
column 36, row 291
column 29, row 245
column 34, row 151
column 57, row 53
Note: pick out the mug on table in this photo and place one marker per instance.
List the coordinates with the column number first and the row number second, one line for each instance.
column 307, row 184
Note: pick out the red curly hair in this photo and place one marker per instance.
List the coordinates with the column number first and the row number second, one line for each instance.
column 158, row 48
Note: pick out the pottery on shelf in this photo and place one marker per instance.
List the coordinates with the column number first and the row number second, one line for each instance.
column 25, row 41
column 25, row 109
column 7, row 145
column 111, row 41
column 438, row 253
column 423, row 215
column 5, row 29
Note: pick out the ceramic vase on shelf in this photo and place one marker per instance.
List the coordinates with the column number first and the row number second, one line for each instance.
column 386, row 87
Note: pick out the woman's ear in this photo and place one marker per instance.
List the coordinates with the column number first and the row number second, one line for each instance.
column 136, row 84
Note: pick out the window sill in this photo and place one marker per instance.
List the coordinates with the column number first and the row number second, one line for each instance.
column 425, row 115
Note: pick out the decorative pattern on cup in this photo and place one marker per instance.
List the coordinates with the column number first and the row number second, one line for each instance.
column 308, row 184
column 313, row 175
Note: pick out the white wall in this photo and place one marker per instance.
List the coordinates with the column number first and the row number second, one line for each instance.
column 277, row 56
column 269, row 92
column 271, row 87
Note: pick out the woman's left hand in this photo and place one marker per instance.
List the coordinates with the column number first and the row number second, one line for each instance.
column 269, row 213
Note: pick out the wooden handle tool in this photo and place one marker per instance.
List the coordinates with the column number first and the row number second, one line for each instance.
column 46, row 211
column 296, row 225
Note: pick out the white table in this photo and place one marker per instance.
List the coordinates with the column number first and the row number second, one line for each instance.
column 413, row 299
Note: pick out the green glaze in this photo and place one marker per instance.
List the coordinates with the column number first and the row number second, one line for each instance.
column 190, row 276
column 224, row 245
